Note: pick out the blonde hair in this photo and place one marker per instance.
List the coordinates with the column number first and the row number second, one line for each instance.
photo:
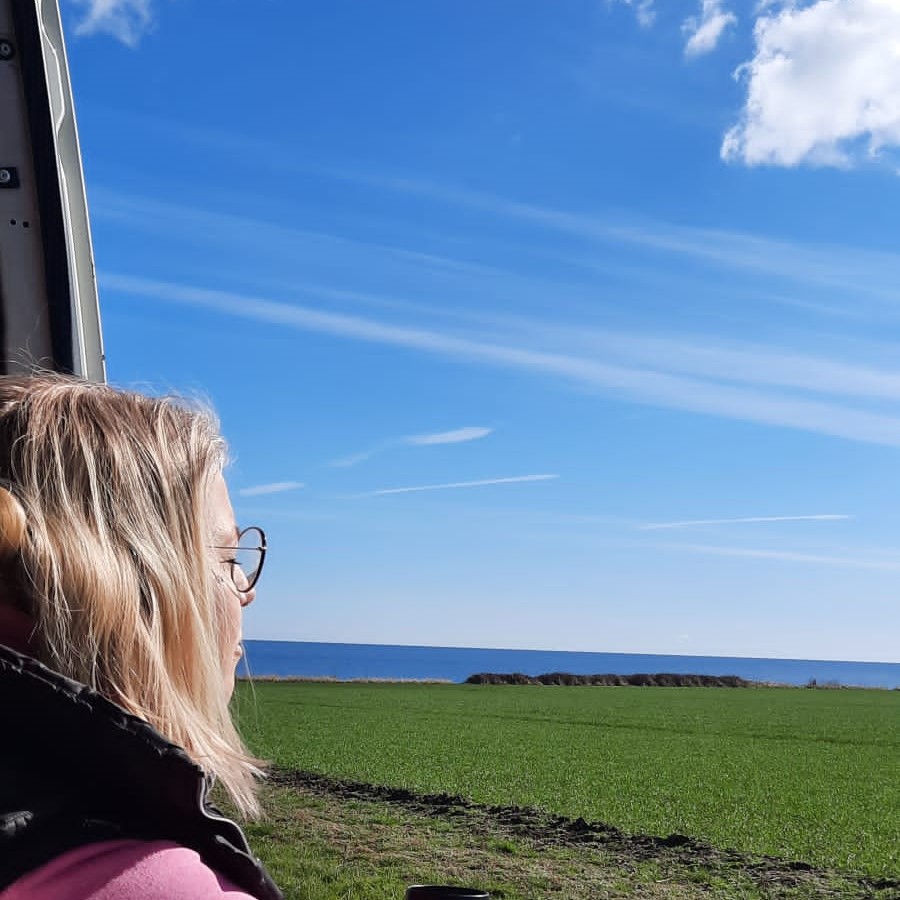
column 104, row 541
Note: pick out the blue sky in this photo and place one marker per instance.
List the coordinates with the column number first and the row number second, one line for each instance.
column 552, row 325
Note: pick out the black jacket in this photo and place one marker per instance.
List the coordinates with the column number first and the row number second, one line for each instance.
column 76, row 769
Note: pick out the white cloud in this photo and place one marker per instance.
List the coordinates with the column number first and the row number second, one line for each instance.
column 866, row 275
column 733, row 362
column 345, row 462
column 457, row 436
column 863, row 273
column 747, row 519
column 638, row 383
column 643, row 9
column 276, row 487
column 705, row 31
column 852, row 562
column 126, row 20
column 823, row 87
column 516, row 479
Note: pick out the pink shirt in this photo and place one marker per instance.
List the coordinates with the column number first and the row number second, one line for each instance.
column 113, row 870
column 125, row 870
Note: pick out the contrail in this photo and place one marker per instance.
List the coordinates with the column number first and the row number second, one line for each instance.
column 821, row 518
column 276, row 487
column 457, row 436
column 458, row 484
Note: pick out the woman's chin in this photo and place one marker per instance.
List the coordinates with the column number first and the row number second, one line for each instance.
column 230, row 673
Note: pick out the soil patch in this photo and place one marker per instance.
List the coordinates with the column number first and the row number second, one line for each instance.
column 776, row 876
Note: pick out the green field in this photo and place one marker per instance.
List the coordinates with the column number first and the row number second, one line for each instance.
column 800, row 774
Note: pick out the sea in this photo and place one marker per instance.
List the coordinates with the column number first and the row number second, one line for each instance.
column 307, row 659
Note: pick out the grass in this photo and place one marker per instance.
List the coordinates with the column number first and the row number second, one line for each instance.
column 798, row 774
column 320, row 848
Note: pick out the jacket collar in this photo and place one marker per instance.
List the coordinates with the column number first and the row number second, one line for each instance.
column 95, row 757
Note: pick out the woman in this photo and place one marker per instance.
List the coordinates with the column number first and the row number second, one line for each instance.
column 121, row 593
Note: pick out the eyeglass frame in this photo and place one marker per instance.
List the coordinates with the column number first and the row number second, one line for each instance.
column 233, row 562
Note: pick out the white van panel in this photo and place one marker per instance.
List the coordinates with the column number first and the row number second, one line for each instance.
column 47, row 281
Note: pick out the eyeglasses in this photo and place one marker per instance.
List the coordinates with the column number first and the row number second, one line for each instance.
column 249, row 556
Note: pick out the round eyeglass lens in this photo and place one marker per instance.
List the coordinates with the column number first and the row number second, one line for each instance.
column 249, row 554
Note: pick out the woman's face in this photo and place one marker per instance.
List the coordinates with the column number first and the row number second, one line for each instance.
column 232, row 601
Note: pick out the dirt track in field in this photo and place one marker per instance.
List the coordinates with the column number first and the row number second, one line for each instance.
column 776, row 877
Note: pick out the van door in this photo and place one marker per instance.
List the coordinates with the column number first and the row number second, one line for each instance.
column 48, row 292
